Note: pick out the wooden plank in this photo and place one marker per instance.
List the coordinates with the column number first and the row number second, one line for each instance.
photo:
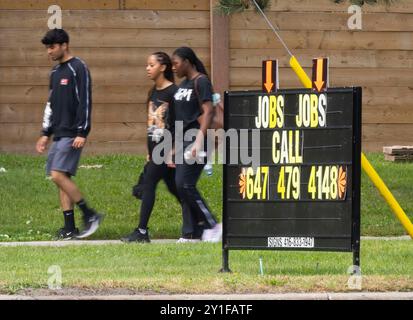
column 101, row 94
column 135, row 147
column 338, row 58
column 398, row 150
column 238, row 76
column 107, row 19
column 100, row 75
column 24, row 75
column 101, row 113
column 101, row 132
column 371, row 146
column 287, row 21
column 124, row 131
column 330, row 6
column 339, row 76
column 388, row 114
column 400, row 158
column 135, row 57
column 109, row 113
column 322, row 21
column 97, row 38
column 391, row 96
column 219, row 51
column 64, row 4
column 198, row 5
column 379, row 135
column 322, row 40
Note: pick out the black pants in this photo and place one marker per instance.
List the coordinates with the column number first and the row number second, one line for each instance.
column 199, row 216
column 152, row 175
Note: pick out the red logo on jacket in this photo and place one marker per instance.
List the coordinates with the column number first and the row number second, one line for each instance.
column 64, row 82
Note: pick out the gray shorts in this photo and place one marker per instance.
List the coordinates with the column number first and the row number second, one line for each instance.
column 63, row 157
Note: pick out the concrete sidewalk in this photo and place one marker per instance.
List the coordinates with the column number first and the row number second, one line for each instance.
column 117, row 242
column 74, row 243
column 229, row 297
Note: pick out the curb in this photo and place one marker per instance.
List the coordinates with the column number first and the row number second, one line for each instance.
column 260, row 297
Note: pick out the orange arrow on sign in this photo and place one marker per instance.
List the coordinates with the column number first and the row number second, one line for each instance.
column 319, row 82
column 268, row 76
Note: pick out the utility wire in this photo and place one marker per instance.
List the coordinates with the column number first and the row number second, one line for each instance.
column 272, row 27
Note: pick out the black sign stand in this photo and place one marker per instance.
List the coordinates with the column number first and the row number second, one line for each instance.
column 331, row 241
column 225, row 250
column 357, row 103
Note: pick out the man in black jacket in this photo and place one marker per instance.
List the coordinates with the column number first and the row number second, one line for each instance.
column 67, row 117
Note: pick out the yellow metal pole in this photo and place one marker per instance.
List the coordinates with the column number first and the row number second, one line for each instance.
column 305, row 80
column 365, row 164
column 385, row 192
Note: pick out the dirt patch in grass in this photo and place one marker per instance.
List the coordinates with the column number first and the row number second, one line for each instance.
column 279, row 284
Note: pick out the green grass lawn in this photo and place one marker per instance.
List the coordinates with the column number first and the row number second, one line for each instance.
column 193, row 268
column 29, row 207
column 29, row 210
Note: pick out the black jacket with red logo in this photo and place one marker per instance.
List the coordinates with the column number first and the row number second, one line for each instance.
column 69, row 108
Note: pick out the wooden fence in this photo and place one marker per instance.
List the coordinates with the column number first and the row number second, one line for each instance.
column 114, row 37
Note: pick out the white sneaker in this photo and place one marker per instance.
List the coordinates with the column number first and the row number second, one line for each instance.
column 214, row 234
column 185, row 240
column 91, row 225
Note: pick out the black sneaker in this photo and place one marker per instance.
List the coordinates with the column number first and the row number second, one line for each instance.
column 91, row 225
column 137, row 236
column 64, row 234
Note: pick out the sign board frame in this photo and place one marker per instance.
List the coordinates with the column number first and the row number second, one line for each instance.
column 354, row 247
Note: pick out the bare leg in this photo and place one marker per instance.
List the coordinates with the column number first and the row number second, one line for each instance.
column 66, row 185
column 91, row 219
column 65, row 202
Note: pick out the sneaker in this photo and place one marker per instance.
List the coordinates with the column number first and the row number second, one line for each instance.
column 91, row 225
column 136, row 236
column 198, row 231
column 187, row 240
column 214, row 234
column 64, row 234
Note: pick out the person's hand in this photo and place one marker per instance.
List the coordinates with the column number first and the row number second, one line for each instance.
column 196, row 148
column 169, row 158
column 148, row 158
column 42, row 144
column 79, row 142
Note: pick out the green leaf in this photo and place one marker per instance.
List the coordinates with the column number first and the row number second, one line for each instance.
column 229, row 7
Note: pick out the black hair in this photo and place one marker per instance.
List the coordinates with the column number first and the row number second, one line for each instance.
column 165, row 60
column 189, row 54
column 55, row 36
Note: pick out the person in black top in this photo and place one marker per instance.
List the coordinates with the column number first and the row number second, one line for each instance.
column 193, row 108
column 160, row 119
column 67, row 117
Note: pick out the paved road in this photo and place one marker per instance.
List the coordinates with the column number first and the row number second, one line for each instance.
column 72, row 243
column 104, row 242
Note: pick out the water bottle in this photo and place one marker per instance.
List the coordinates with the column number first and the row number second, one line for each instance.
column 216, row 98
column 208, row 169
